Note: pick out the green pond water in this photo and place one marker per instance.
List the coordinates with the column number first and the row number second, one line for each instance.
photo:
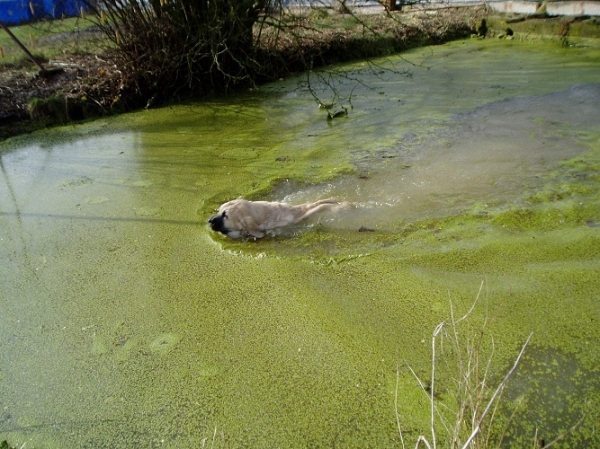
column 126, row 322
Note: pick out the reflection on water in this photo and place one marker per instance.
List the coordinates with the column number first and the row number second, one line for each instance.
column 491, row 155
column 125, row 322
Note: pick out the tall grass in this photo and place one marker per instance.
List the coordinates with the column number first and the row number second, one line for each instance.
column 472, row 423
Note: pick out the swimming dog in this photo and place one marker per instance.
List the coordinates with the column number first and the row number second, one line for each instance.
column 242, row 218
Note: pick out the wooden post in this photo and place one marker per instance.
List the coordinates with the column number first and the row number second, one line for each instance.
column 27, row 52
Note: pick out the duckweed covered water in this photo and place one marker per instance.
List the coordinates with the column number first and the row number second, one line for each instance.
column 127, row 322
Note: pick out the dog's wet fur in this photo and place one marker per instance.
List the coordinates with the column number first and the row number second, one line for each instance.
column 253, row 219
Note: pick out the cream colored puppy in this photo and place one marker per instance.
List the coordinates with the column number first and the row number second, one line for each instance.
column 243, row 218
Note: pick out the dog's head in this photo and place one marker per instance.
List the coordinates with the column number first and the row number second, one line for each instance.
column 222, row 223
column 217, row 222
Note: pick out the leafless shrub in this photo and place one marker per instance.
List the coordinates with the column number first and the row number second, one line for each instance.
column 179, row 48
column 195, row 45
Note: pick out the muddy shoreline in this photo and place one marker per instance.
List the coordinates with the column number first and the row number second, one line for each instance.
column 87, row 85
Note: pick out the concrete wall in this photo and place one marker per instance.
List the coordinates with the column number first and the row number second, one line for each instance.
column 569, row 8
column 514, row 7
column 573, row 9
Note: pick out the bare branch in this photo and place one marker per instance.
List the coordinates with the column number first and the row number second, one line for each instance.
column 497, row 392
column 396, row 408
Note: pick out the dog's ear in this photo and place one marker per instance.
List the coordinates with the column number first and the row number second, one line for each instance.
column 217, row 221
column 216, row 218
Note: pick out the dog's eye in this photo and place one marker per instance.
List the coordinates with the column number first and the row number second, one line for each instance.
column 224, row 214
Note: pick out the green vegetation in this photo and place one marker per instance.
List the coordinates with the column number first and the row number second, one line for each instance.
column 136, row 57
column 172, row 333
column 470, row 420
column 568, row 31
column 50, row 40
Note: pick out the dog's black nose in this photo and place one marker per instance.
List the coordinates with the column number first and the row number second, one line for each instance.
column 215, row 221
column 216, row 224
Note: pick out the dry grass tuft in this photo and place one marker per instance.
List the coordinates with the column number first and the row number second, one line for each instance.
column 476, row 400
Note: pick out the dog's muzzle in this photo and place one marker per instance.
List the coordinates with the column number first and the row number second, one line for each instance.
column 217, row 223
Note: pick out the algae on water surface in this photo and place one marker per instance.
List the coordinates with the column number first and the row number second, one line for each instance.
column 126, row 321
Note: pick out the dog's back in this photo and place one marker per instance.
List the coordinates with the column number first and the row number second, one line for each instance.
column 241, row 217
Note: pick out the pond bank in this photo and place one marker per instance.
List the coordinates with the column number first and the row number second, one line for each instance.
column 90, row 85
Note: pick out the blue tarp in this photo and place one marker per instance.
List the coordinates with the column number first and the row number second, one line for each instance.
column 14, row 12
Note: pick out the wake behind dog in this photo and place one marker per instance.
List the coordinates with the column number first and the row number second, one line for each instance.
column 242, row 218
